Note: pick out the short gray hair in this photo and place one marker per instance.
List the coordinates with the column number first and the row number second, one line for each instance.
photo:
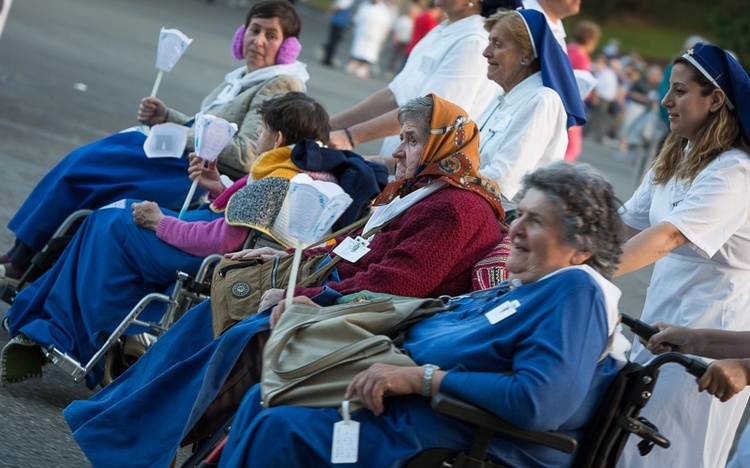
column 417, row 111
column 587, row 207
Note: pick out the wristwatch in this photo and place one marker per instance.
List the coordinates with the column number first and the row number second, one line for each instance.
column 429, row 370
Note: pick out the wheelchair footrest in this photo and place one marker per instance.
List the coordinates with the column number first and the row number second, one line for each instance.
column 66, row 363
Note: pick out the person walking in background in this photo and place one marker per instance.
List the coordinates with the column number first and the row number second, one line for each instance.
column 340, row 14
column 401, row 37
column 372, row 21
column 585, row 37
column 602, row 103
column 690, row 217
column 428, row 19
column 642, row 97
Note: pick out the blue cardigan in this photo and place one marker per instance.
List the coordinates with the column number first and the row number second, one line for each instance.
column 539, row 368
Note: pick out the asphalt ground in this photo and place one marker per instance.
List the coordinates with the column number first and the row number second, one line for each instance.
column 73, row 71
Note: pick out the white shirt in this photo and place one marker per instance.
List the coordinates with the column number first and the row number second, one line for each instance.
column 558, row 30
column 448, row 62
column 608, row 85
column 703, row 284
column 520, row 131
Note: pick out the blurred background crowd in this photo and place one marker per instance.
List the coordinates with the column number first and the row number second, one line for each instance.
column 627, row 45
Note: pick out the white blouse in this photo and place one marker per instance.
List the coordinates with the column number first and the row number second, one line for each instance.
column 521, row 131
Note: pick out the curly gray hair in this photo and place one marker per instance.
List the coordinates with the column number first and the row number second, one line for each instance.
column 587, row 206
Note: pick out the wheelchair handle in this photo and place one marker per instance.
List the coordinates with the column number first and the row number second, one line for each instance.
column 692, row 365
column 642, row 329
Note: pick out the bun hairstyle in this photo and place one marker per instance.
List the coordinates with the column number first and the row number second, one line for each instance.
column 288, row 52
column 291, row 25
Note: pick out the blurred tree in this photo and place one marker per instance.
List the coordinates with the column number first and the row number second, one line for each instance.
column 730, row 26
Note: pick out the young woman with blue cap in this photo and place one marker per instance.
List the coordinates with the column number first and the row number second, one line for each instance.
column 692, row 218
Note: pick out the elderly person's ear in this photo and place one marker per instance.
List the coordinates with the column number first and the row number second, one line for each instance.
column 580, row 257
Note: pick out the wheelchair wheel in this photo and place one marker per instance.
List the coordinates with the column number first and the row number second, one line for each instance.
column 123, row 355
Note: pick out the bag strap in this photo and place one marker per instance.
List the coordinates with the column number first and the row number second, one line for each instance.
column 323, row 272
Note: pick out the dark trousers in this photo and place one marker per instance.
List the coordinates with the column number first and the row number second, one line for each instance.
column 335, row 34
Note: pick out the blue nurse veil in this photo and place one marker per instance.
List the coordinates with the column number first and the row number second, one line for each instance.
column 557, row 72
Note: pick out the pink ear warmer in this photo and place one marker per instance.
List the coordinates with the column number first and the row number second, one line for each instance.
column 288, row 52
column 239, row 35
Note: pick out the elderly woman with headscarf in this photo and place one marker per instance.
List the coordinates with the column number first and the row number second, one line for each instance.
column 442, row 216
column 117, row 167
column 691, row 218
column 526, row 126
column 534, row 351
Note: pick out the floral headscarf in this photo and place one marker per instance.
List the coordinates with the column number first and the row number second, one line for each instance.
column 451, row 154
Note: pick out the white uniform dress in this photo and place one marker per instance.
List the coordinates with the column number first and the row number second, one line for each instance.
column 741, row 458
column 372, row 21
column 703, row 284
column 448, row 62
column 519, row 132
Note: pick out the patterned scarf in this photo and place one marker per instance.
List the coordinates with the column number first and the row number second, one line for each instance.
column 452, row 155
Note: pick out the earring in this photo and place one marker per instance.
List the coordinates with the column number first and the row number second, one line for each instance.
column 471, row 4
column 523, row 63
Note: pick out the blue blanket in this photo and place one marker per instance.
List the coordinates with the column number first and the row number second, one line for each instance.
column 95, row 175
column 155, row 402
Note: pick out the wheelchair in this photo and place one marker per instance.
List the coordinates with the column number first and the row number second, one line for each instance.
column 120, row 351
column 45, row 258
column 603, row 440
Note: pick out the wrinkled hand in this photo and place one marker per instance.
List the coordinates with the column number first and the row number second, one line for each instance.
column 725, row 378
column 263, row 254
column 280, row 307
column 147, row 214
column 207, row 174
column 680, row 337
column 338, row 139
column 381, row 380
column 152, row 111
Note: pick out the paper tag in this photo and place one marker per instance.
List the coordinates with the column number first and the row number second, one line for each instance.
column 502, row 312
column 117, row 204
column 352, row 250
column 345, row 446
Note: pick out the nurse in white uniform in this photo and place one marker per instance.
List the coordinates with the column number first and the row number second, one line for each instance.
column 691, row 215
column 447, row 61
column 528, row 125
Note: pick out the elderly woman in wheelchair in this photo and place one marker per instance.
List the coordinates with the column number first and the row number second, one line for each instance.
column 116, row 258
column 450, row 219
column 535, row 352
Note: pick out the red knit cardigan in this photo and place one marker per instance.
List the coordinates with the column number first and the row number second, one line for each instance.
column 428, row 251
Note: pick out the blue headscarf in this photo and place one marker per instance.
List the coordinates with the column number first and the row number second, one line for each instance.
column 557, row 72
column 727, row 74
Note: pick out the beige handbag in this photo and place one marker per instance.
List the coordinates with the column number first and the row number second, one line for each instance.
column 313, row 353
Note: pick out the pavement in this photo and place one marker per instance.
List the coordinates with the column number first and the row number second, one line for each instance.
column 73, row 71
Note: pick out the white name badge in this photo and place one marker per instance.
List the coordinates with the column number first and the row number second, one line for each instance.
column 352, row 250
column 502, row 312
column 345, row 446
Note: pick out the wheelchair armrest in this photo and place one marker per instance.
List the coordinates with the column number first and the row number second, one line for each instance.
column 465, row 412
